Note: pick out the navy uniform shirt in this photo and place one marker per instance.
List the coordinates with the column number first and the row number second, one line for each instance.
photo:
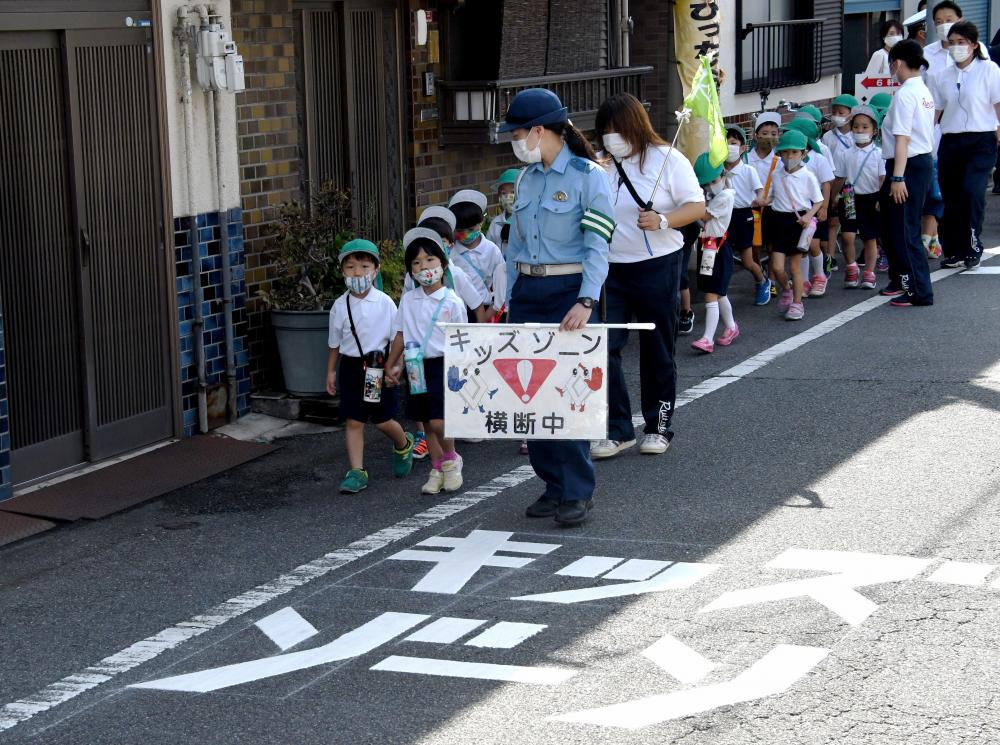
column 563, row 215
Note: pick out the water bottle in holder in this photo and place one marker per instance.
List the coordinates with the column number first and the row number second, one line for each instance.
column 850, row 207
column 413, row 358
column 709, row 252
column 374, row 376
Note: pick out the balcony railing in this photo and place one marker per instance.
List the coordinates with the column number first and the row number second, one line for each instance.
column 779, row 54
column 472, row 110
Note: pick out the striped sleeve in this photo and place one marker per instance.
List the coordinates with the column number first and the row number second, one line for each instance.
column 598, row 222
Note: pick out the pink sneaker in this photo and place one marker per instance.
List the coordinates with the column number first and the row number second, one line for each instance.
column 728, row 336
column 818, row 288
column 851, row 275
column 868, row 281
column 703, row 345
column 796, row 312
column 784, row 300
column 806, row 286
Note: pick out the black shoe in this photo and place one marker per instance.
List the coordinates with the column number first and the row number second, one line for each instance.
column 686, row 325
column 890, row 291
column 951, row 262
column 972, row 262
column 542, row 508
column 573, row 512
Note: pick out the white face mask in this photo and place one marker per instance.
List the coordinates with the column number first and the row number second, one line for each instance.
column 616, row 145
column 959, row 52
column 942, row 30
column 428, row 277
column 359, row 285
column 891, row 41
column 526, row 154
column 838, row 121
column 862, row 138
column 734, row 154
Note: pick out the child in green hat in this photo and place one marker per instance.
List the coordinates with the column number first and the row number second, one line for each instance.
column 504, row 187
column 360, row 331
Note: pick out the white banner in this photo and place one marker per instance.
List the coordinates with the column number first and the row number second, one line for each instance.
column 531, row 381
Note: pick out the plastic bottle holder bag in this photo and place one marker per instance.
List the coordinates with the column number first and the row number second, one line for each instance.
column 850, row 206
column 805, row 238
column 413, row 358
column 374, row 376
column 709, row 252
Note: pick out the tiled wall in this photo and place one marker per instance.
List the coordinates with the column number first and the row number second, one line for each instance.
column 214, row 333
column 4, row 422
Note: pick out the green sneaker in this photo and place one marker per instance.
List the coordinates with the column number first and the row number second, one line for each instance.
column 402, row 460
column 354, row 481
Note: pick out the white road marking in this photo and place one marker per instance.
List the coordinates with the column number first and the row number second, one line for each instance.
column 678, row 660
column 980, row 270
column 445, row 630
column 547, row 676
column 678, row 577
column 68, row 688
column 774, row 673
column 590, row 566
column 962, row 573
column 356, row 642
column 286, row 628
column 637, row 569
column 505, row 635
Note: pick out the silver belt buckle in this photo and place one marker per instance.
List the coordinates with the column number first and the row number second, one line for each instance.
column 537, row 270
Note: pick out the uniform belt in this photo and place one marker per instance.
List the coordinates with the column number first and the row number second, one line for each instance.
column 549, row 270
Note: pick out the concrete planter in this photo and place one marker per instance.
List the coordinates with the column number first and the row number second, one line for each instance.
column 302, row 338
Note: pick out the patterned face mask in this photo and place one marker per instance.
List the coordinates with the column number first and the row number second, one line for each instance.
column 467, row 237
column 507, row 202
column 428, row 277
column 359, row 285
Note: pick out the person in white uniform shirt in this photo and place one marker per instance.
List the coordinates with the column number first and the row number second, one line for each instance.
column 907, row 146
column 839, row 140
column 763, row 159
column 477, row 255
column 967, row 99
column 747, row 190
column 891, row 34
column 645, row 260
column 946, row 14
column 442, row 221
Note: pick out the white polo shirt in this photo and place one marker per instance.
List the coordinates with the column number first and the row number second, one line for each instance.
column 938, row 58
column 795, row 192
column 966, row 97
column 720, row 207
column 879, row 63
column 463, row 286
column 677, row 187
column 820, row 166
column 763, row 164
column 496, row 228
column 373, row 316
column 416, row 311
column 837, row 141
column 745, row 182
column 911, row 114
column 863, row 167
column 479, row 263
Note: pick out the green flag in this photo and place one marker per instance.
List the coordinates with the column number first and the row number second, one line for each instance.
column 703, row 102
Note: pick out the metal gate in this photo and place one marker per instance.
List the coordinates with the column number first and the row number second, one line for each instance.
column 82, row 269
column 350, row 106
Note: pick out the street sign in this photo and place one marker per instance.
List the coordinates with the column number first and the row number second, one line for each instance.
column 866, row 86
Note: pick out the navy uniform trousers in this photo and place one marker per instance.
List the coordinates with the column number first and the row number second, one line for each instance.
column 908, row 268
column 564, row 465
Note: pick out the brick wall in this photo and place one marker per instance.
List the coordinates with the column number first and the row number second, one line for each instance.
column 5, row 479
column 269, row 155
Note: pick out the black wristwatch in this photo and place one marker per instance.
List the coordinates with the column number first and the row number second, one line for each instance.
column 898, row 179
column 586, row 302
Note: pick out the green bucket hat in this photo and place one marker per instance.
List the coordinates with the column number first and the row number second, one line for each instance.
column 880, row 101
column 705, row 171
column 792, row 139
column 811, row 112
column 358, row 246
column 507, row 177
column 846, row 100
column 808, row 129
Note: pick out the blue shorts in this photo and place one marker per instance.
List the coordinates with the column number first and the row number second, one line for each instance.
column 424, row 407
column 351, row 384
column 740, row 233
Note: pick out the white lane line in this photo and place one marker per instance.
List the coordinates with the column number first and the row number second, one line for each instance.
column 505, row 635
column 131, row 657
column 72, row 686
column 967, row 573
column 286, row 628
column 590, row 566
column 445, row 630
column 981, row 270
column 548, row 676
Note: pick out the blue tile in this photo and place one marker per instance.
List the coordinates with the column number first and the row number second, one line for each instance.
column 202, row 220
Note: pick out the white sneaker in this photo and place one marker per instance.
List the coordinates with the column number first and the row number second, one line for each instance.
column 451, row 471
column 600, row 449
column 435, row 482
column 653, row 444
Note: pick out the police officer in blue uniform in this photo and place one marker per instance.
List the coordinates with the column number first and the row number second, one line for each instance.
column 557, row 261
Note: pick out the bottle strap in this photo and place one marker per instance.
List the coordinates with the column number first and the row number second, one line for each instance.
column 862, row 168
column 430, row 327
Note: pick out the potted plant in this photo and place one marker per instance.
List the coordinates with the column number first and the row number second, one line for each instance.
column 307, row 280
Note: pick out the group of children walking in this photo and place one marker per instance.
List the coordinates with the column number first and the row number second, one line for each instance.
column 779, row 203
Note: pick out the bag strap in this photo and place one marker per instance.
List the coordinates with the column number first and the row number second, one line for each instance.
column 430, row 327
column 789, row 195
column 862, row 168
column 354, row 332
column 623, row 178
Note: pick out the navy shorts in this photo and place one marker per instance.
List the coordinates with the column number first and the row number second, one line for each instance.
column 722, row 271
column 766, row 226
column 351, row 384
column 424, row 407
column 741, row 229
column 866, row 223
column 784, row 233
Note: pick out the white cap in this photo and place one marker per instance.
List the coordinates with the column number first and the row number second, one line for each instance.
column 414, row 233
column 917, row 17
column 442, row 213
column 767, row 117
column 471, row 196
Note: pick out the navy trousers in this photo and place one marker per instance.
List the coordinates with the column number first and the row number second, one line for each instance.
column 647, row 291
column 964, row 163
column 908, row 269
column 564, row 465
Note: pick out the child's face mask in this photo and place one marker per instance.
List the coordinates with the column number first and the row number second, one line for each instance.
column 467, row 237
column 359, row 285
column 507, row 202
column 428, row 277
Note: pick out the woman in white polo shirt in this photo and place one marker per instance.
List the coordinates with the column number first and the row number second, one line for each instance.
column 907, row 144
column 654, row 192
column 967, row 99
